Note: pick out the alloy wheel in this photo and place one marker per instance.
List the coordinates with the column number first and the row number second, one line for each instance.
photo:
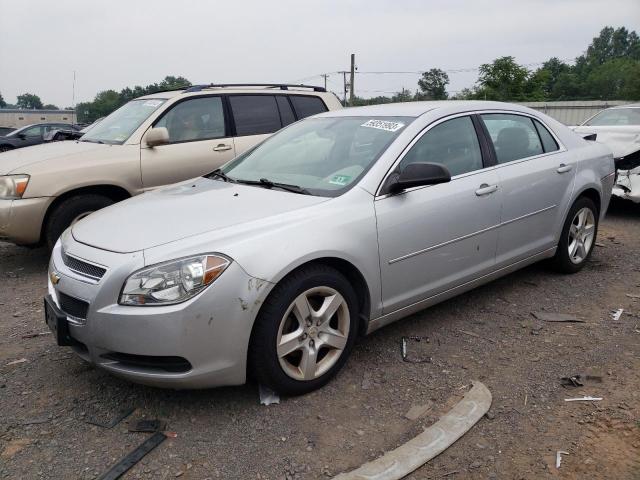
column 313, row 333
column 581, row 235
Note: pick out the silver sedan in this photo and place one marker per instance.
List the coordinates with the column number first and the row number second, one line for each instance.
column 339, row 224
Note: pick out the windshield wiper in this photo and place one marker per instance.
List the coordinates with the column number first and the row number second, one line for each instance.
column 90, row 141
column 265, row 182
column 220, row 174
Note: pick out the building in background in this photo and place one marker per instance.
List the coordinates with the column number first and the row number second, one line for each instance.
column 16, row 117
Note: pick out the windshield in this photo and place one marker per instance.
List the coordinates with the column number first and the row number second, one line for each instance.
column 119, row 126
column 19, row 130
column 324, row 156
column 616, row 116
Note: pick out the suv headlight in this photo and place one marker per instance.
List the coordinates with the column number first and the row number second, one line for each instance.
column 13, row 186
column 172, row 282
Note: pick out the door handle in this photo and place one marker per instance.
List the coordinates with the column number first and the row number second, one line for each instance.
column 564, row 168
column 486, row 189
column 222, row 148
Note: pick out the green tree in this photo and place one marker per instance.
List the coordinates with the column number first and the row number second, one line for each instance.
column 3, row 104
column 502, row 80
column 403, row 95
column 50, row 106
column 433, row 85
column 29, row 101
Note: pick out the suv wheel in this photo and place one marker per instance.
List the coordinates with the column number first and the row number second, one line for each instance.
column 5, row 148
column 305, row 331
column 578, row 236
column 70, row 211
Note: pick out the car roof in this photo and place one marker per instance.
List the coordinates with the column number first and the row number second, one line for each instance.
column 415, row 109
column 291, row 90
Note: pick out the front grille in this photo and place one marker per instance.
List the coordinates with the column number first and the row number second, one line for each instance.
column 73, row 307
column 167, row 364
column 83, row 268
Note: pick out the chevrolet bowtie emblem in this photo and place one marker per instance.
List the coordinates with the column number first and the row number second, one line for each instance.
column 55, row 278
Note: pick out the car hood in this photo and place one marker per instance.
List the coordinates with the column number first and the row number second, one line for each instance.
column 18, row 160
column 622, row 140
column 184, row 210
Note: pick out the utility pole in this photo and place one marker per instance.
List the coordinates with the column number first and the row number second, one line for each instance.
column 325, row 75
column 351, row 85
column 344, row 79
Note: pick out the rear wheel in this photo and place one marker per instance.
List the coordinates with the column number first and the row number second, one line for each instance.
column 5, row 148
column 305, row 331
column 578, row 236
column 70, row 211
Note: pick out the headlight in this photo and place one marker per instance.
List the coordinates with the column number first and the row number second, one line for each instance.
column 172, row 282
column 13, row 186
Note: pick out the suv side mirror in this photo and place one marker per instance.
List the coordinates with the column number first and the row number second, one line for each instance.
column 419, row 174
column 21, row 136
column 157, row 136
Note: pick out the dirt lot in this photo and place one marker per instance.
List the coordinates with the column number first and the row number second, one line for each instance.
column 488, row 334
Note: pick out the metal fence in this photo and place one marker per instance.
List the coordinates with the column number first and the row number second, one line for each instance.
column 573, row 112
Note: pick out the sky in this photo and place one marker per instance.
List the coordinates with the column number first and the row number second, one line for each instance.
column 114, row 44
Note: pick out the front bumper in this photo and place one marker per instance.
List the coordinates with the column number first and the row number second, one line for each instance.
column 210, row 332
column 21, row 220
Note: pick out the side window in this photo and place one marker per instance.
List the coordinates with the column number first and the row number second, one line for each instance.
column 453, row 143
column 255, row 114
column 33, row 132
column 306, row 106
column 197, row 119
column 286, row 114
column 548, row 142
column 513, row 136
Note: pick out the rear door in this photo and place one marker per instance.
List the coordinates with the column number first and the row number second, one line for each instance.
column 536, row 177
column 200, row 141
column 434, row 238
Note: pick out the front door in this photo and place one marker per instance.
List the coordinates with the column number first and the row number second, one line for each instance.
column 437, row 237
column 536, row 179
column 199, row 143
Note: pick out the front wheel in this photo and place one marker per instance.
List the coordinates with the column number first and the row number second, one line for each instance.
column 578, row 236
column 305, row 331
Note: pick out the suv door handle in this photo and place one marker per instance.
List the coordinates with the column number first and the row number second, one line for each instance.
column 564, row 168
column 222, row 148
column 486, row 189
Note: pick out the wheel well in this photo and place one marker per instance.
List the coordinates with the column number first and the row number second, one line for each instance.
column 357, row 281
column 113, row 192
column 593, row 195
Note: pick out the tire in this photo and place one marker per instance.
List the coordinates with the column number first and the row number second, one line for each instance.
column 69, row 211
column 321, row 286
column 5, row 148
column 563, row 261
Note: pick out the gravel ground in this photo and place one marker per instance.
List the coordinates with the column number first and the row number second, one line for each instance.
column 488, row 335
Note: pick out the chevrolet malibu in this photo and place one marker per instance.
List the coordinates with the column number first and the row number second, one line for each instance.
column 274, row 264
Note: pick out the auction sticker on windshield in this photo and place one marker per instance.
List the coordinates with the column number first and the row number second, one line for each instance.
column 341, row 180
column 152, row 103
column 383, row 125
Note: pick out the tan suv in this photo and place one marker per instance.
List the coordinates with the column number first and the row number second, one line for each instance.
column 151, row 141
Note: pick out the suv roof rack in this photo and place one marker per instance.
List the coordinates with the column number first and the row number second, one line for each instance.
column 281, row 86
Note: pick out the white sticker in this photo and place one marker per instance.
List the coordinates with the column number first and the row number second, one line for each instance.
column 383, row 125
column 152, row 103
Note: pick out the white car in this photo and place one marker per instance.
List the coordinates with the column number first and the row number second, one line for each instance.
column 619, row 129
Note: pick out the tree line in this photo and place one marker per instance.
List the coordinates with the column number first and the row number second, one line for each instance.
column 609, row 69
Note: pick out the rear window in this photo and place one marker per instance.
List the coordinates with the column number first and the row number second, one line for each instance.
column 286, row 114
column 307, row 106
column 513, row 136
column 548, row 142
column 255, row 114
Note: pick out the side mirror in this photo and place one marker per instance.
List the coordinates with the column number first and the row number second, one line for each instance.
column 22, row 136
column 417, row 175
column 157, row 136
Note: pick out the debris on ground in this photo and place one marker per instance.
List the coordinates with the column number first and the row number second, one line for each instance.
column 559, row 454
column 134, row 457
column 583, row 399
column 616, row 314
column 576, row 380
column 14, row 446
column 267, row 396
column 475, row 335
column 434, row 440
column 34, row 335
column 15, row 362
column 148, row 426
column 121, row 415
column 417, row 411
column 633, row 295
column 556, row 317
column 405, row 350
